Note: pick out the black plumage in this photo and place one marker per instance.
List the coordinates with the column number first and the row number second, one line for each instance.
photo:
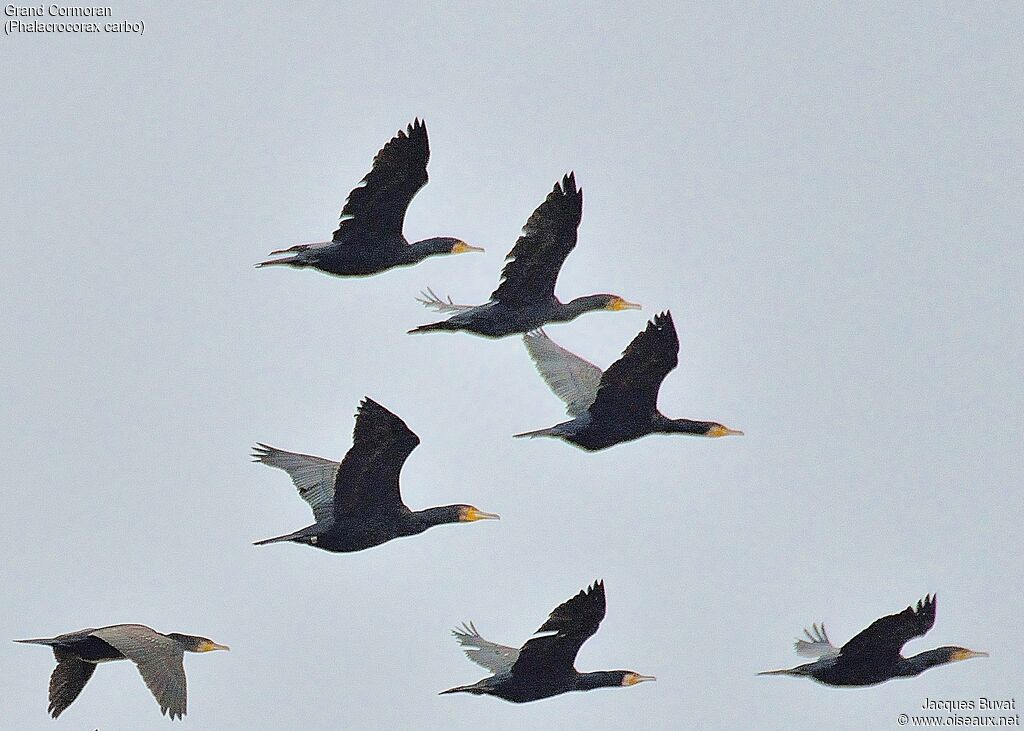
column 525, row 299
column 875, row 654
column 157, row 656
column 358, row 504
column 369, row 237
column 544, row 666
column 620, row 404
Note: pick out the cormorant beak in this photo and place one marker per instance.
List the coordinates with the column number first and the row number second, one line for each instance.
column 620, row 304
column 966, row 655
column 211, row 646
column 634, row 678
column 723, row 431
column 462, row 247
column 470, row 514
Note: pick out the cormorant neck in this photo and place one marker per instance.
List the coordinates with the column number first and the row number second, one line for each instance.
column 665, row 425
column 189, row 642
column 566, row 311
column 917, row 664
column 420, row 250
column 599, row 679
column 423, row 519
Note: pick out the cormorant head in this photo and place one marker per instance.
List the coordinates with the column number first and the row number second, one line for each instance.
column 631, row 678
column 445, row 245
column 578, row 306
column 917, row 664
column 960, row 653
column 610, row 679
column 696, row 428
column 467, row 514
column 193, row 643
column 461, row 247
column 720, row 430
column 613, row 302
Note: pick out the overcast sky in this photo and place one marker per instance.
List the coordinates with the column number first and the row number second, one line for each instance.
column 829, row 200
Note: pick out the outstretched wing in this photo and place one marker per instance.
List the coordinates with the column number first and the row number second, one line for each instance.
column 631, row 384
column 573, row 622
column 817, row 643
column 548, row 237
column 496, row 658
column 377, row 206
column 159, row 659
column 885, row 637
column 367, row 480
column 573, row 379
column 313, row 476
column 67, row 680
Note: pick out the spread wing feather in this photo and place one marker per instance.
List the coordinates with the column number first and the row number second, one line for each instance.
column 312, row 476
column 573, row 622
column 573, row 379
column 631, row 384
column 67, row 681
column 159, row 660
column 548, row 236
column 378, row 205
column 499, row 659
column 817, row 643
column 367, row 480
column 431, row 301
column 884, row 638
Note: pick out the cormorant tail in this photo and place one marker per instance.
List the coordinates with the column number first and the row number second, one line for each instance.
column 289, row 260
column 551, row 431
column 290, row 249
column 442, row 325
column 478, row 688
column 279, row 539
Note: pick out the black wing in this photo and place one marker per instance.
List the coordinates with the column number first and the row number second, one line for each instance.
column 885, row 637
column 631, row 384
column 367, row 480
column 573, row 622
column 548, row 237
column 378, row 205
column 67, row 681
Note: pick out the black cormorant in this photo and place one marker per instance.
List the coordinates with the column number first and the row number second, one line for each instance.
column 357, row 504
column 158, row 657
column 369, row 238
column 620, row 404
column 874, row 656
column 525, row 300
column 544, row 666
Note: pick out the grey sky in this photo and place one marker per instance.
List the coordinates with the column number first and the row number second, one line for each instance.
column 828, row 200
